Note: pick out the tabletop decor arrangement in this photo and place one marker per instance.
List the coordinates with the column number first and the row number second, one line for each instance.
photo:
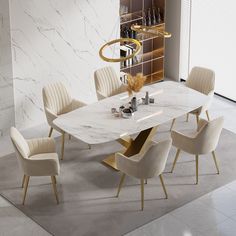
column 134, row 85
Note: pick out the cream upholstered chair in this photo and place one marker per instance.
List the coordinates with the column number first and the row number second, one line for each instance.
column 202, row 141
column 36, row 157
column 145, row 166
column 57, row 101
column 202, row 80
column 107, row 83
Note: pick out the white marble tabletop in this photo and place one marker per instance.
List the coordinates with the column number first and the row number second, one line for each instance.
column 95, row 124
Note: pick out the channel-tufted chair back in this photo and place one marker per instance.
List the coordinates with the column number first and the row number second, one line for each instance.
column 56, row 98
column 202, row 80
column 107, row 83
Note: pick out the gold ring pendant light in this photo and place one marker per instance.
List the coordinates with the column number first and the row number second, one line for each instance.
column 155, row 30
column 121, row 40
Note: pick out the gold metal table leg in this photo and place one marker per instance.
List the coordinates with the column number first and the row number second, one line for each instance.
column 133, row 147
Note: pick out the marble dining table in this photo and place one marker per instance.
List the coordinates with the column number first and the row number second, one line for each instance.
column 95, row 124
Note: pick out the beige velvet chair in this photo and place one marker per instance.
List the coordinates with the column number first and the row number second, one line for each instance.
column 57, row 101
column 202, row 141
column 145, row 166
column 202, row 80
column 107, row 83
column 36, row 157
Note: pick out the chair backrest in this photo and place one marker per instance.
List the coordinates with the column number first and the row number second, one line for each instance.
column 201, row 79
column 154, row 161
column 20, row 145
column 208, row 136
column 57, row 98
column 107, row 82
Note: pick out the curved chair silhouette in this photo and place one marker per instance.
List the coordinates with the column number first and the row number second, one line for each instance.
column 57, row 101
column 36, row 157
column 107, row 83
column 145, row 166
column 202, row 80
column 202, row 141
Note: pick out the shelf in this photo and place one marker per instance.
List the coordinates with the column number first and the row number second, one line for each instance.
column 147, row 57
column 131, row 17
column 154, row 77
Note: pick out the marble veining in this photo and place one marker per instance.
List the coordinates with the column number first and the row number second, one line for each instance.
column 57, row 40
column 95, row 124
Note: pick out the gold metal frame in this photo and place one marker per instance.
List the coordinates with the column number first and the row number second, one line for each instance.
column 132, row 147
column 155, row 30
column 120, row 40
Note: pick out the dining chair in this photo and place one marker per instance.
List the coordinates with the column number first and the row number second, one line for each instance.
column 58, row 101
column 144, row 166
column 202, row 141
column 36, row 157
column 107, row 83
column 202, row 80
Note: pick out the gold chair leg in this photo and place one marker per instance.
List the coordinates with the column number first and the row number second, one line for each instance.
column 142, row 194
column 120, row 184
column 196, row 157
column 207, row 114
column 23, row 181
column 163, row 186
column 26, row 187
column 197, row 118
column 62, row 145
column 176, row 158
column 50, row 132
column 214, row 158
column 172, row 124
column 187, row 117
column 53, row 178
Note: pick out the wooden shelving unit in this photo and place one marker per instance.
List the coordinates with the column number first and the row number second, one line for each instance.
column 151, row 59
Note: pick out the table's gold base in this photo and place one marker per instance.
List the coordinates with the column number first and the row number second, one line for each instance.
column 111, row 161
column 133, row 147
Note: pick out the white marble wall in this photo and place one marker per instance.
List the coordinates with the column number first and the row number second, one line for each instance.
column 57, row 40
column 7, row 116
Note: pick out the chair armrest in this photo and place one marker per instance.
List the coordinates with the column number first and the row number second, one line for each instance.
column 41, row 167
column 201, row 123
column 41, row 145
column 77, row 104
column 127, row 165
column 207, row 105
column 51, row 116
column 183, row 141
column 100, row 95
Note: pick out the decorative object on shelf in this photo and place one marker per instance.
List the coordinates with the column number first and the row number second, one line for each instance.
column 158, row 15
column 154, row 19
column 149, row 17
column 144, row 21
column 155, row 30
column 122, row 41
column 135, row 83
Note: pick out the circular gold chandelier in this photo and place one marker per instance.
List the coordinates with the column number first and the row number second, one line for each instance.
column 120, row 40
column 155, row 30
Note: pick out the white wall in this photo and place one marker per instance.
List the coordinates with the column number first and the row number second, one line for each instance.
column 7, row 116
column 172, row 45
column 57, row 40
column 213, row 40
